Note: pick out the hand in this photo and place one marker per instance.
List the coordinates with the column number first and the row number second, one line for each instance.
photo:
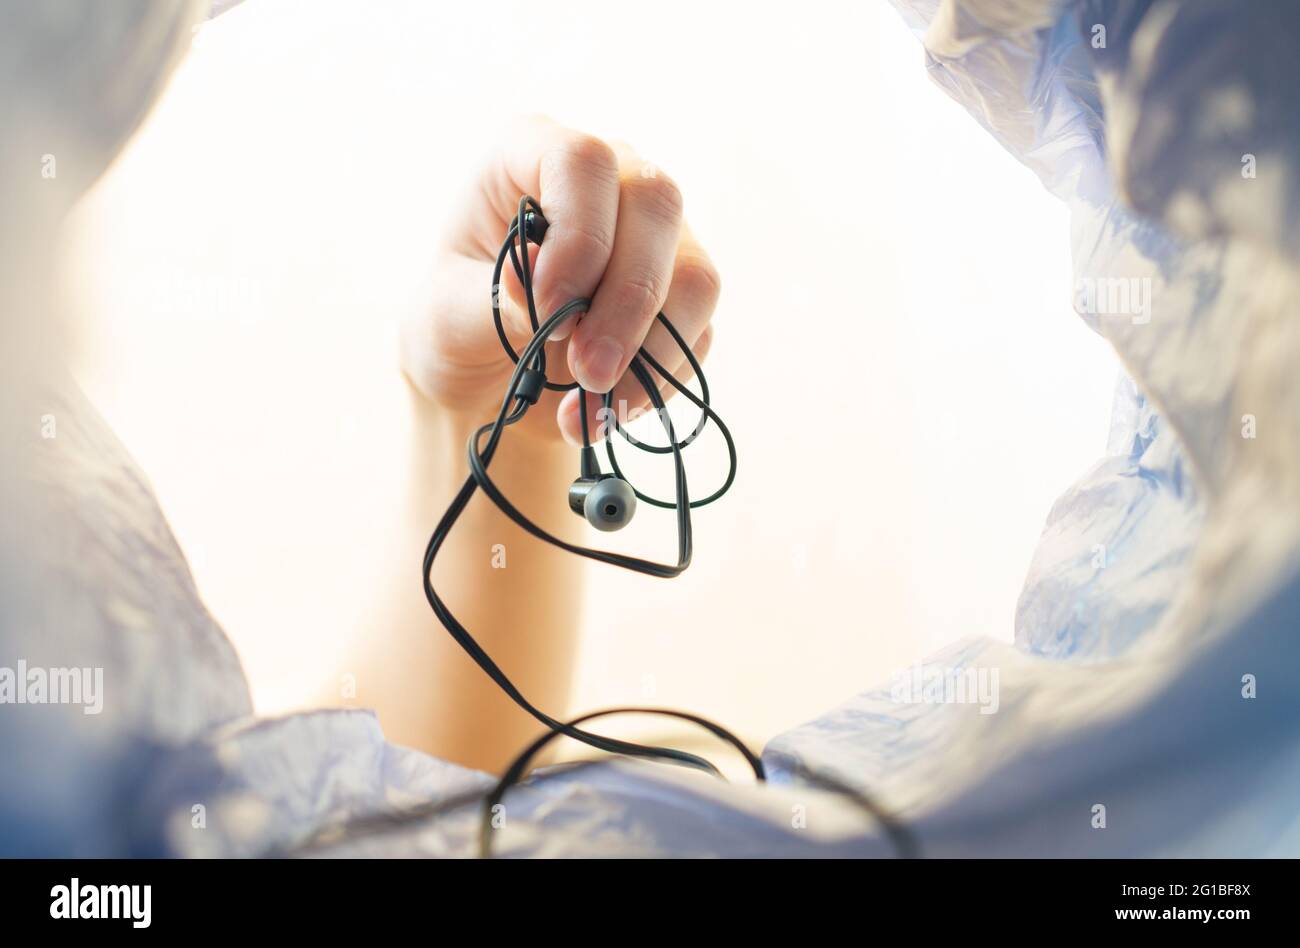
column 616, row 235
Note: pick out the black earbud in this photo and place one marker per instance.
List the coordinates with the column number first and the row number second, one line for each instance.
column 606, row 500
column 535, row 226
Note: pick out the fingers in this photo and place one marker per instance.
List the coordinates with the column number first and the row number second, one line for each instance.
column 628, row 410
column 576, row 179
column 692, row 297
column 636, row 280
column 616, row 236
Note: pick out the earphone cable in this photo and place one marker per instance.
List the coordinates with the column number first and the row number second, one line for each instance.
column 526, row 383
column 513, row 408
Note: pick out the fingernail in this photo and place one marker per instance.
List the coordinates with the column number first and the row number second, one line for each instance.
column 598, row 365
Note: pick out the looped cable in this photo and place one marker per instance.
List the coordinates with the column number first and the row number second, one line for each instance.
column 527, row 383
column 515, row 772
column 520, row 395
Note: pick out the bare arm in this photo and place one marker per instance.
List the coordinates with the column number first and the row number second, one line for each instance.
column 520, row 598
column 616, row 236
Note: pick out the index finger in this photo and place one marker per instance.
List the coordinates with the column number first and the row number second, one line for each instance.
column 575, row 178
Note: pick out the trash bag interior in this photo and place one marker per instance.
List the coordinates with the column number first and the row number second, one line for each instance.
column 1150, row 703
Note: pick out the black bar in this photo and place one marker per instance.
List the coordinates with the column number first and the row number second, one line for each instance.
column 443, row 899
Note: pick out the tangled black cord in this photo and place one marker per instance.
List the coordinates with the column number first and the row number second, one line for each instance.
column 526, row 385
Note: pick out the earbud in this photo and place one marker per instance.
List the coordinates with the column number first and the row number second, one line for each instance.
column 606, row 500
column 535, row 226
column 610, row 503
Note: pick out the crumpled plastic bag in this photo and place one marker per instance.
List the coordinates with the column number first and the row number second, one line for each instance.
column 1166, row 577
column 1151, row 702
column 1150, row 706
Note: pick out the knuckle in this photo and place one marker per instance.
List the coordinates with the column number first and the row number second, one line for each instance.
column 641, row 293
column 658, row 194
column 587, row 157
column 591, row 240
column 698, row 279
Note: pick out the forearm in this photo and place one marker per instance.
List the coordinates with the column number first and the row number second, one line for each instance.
column 614, row 240
column 518, row 597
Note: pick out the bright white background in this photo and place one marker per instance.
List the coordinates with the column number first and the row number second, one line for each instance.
column 896, row 353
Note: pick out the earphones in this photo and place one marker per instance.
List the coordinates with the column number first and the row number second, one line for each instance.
column 607, row 500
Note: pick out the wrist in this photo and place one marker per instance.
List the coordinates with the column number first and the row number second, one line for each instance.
column 442, row 430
